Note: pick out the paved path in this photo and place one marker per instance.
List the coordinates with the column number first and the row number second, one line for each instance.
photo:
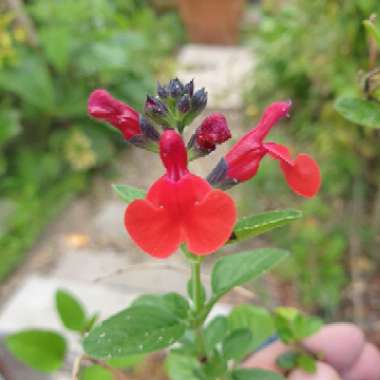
column 87, row 250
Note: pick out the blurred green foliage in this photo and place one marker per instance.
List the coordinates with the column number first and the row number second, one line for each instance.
column 314, row 52
column 48, row 145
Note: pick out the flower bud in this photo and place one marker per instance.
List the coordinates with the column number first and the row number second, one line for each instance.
column 199, row 101
column 103, row 106
column 162, row 91
column 212, row 132
column 189, row 88
column 183, row 104
column 154, row 107
column 134, row 127
column 175, row 88
column 148, row 129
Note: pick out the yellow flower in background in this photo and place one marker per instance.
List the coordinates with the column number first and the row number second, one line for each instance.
column 79, row 152
column 9, row 37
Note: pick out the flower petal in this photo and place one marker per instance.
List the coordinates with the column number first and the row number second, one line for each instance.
column 209, row 223
column 302, row 175
column 152, row 228
column 278, row 152
column 103, row 106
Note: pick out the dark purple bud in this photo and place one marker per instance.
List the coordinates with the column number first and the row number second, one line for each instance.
column 189, row 88
column 154, row 107
column 148, row 129
column 218, row 177
column 199, row 101
column 183, row 104
column 218, row 174
column 162, row 91
column 175, row 88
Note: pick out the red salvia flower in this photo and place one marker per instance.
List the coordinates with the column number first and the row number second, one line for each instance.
column 103, row 106
column 180, row 208
column 243, row 160
column 213, row 131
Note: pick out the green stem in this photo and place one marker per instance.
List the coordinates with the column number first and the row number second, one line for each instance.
column 196, row 286
column 198, row 304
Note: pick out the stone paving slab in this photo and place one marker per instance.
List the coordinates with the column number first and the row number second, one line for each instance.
column 113, row 270
column 222, row 70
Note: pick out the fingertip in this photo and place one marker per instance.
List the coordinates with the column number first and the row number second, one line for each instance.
column 266, row 358
column 367, row 366
column 340, row 344
column 323, row 372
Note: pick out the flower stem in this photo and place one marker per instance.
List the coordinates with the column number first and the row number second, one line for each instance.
column 198, row 304
column 196, row 286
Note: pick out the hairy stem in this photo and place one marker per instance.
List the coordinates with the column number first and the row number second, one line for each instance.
column 198, row 305
column 196, row 286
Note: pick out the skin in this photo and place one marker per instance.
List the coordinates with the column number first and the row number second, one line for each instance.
column 346, row 355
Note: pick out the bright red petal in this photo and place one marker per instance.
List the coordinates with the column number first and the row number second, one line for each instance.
column 209, row 223
column 304, row 176
column 152, row 228
column 278, row 152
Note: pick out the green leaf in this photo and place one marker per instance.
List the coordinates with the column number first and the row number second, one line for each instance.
column 215, row 332
column 306, row 326
column 31, row 81
column 257, row 319
column 181, row 367
column 95, row 372
column 9, row 125
column 237, row 344
column 287, row 360
column 129, row 193
column 238, row 268
column 215, row 367
column 255, row 374
column 359, row 111
column 70, row 310
column 138, row 329
column 90, row 323
column 170, row 301
column 258, row 224
column 293, row 326
column 42, row 350
column 307, row 363
column 57, row 44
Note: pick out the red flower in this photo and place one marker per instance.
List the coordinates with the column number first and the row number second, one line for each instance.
column 180, row 208
column 102, row 106
column 243, row 160
column 213, row 131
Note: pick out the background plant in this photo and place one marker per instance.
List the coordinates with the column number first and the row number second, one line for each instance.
column 313, row 53
column 48, row 145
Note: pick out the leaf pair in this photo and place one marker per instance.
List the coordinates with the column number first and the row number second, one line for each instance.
column 45, row 350
column 150, row 324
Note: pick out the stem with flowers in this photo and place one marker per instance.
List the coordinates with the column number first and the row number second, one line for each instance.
column 184, row 211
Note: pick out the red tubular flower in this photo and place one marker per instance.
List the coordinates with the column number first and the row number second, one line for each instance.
column 180, row 208
column 243, row 160
column 212, row 132
column 103, row 106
